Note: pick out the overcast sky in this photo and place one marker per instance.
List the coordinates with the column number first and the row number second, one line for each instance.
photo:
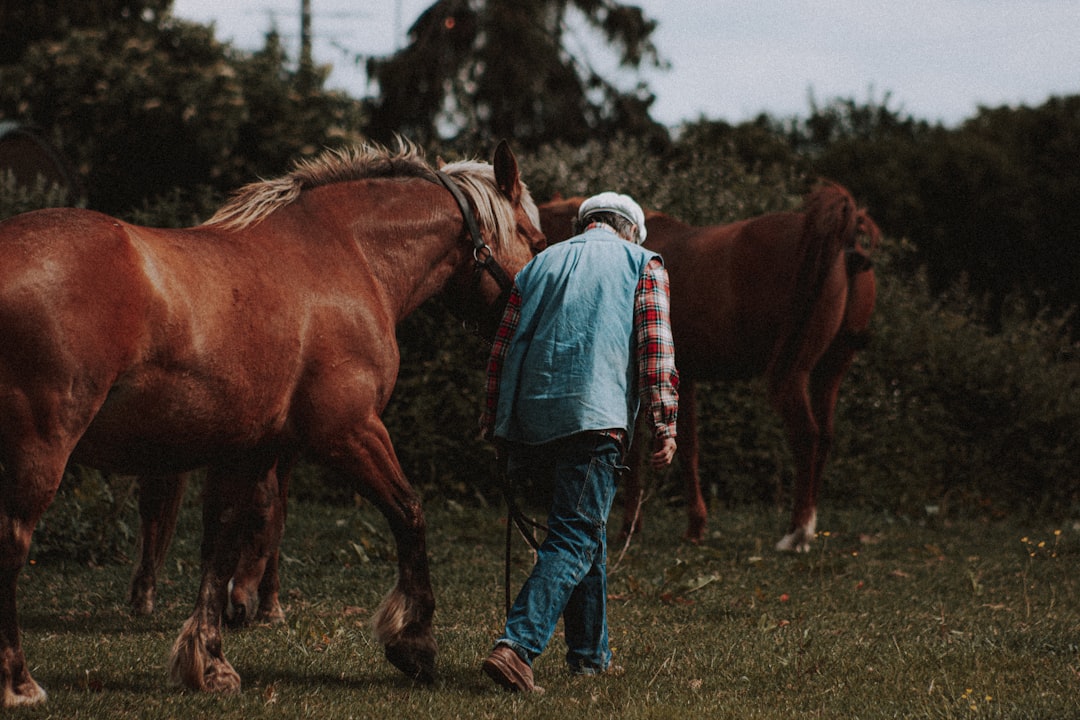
column 937, row 60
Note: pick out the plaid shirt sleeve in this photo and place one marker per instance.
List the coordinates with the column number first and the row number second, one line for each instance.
column 507, row 326
column 658, row 379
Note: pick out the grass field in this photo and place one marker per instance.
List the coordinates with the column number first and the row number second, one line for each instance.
column 885, row 618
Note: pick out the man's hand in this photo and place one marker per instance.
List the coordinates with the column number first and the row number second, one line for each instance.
column 664, row 453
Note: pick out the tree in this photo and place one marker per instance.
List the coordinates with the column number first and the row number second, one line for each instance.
column 991, row 202
column 145, row 106
column 1041, row 146
column 479, row 70
column 24, row 22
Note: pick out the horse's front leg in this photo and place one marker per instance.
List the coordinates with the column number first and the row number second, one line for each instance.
column 231, row 514
column 159, row 505
column 402, row 624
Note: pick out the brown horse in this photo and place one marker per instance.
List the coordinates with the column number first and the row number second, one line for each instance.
column 265, row 332
column 787, row 296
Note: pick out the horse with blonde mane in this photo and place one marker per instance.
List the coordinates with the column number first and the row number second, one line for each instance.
column 264, row 333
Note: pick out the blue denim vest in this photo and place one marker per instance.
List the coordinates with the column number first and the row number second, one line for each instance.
column 570, row 367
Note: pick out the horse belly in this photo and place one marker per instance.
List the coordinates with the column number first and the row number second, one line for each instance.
column 722, row 343
column 177, row 425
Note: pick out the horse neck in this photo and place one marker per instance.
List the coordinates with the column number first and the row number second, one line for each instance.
column 412, row 244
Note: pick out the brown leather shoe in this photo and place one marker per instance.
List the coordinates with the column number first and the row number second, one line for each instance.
column 509, row 671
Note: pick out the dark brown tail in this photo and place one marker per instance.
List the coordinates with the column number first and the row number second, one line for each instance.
column 832, row 222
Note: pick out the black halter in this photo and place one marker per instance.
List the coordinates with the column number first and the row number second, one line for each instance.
column 482, row 256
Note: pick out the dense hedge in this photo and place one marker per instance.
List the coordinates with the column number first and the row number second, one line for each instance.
column 937, row 413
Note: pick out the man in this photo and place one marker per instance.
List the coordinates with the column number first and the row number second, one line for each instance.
column 585, row 334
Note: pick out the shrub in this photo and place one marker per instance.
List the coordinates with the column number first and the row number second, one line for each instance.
column 92, row 519
column 16, row 198
column 940, row 411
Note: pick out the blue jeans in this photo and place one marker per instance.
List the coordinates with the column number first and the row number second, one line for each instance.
column 570, row 575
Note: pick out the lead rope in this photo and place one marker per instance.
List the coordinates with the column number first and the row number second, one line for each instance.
column 515, row 518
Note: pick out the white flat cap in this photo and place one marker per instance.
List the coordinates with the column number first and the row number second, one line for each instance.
column 623, row 205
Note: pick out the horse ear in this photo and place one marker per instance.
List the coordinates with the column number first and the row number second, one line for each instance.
column 556, row 197
column 506, row 172
column 439, row 162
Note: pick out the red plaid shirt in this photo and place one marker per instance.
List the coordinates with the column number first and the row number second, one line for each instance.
column 658, row 379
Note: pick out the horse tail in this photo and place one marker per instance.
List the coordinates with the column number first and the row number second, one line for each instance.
column 832, row 224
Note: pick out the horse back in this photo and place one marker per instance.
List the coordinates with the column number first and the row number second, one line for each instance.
column 730, row 285
column 67, row 277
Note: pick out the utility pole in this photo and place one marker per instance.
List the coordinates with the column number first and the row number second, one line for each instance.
column 307, row 65
column 398, row 37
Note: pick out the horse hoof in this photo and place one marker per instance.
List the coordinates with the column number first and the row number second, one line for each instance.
column 239, row 611
column 141, row 598
column 142, row 607
column 695, row 535
column 270, row 614
column 235, row 616
column 794, row 542
column 25, row 693
column 221, row 678
column 415, row 660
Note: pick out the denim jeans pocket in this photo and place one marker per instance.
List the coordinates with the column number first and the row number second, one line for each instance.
column 597, row 492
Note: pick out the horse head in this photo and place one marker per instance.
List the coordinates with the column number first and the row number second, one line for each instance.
column 507, row 236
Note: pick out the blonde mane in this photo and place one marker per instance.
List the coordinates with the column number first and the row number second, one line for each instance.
column 494, row 213
column 252, row 203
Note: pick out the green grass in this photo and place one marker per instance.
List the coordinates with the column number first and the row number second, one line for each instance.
column 884, row 618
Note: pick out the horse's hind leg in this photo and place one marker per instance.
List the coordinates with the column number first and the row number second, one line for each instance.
column 18, row 688
column 792, row 401
column 159, row 505
column 270, row 609
column 633, row 488
column 256, row 580
column 232, row 513
column 824, row 391
column 26, row 489
column 696, row 513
